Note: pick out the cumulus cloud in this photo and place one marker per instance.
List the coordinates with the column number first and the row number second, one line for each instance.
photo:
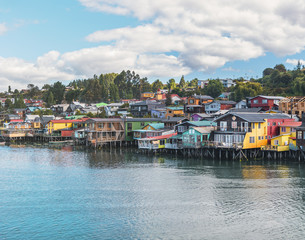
column 295, row 61
column 207, row 35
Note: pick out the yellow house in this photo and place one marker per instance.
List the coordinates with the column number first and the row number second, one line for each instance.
column 174, row 112
column 54, row 125
column 147, row 95
column 257, row 137
column 278, row 143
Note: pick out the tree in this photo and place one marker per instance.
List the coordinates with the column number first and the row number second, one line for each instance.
column 182, row 83
column 194, row 83
column 280, row 67
column 168, row 100
column 50, row 99
column 214, row 88
column 19, row 102
column 156, row 85
column 171, row 84
column 114, row 93
column 8, row 103
column 58, row 90
column 267, row 71
column 9, row 89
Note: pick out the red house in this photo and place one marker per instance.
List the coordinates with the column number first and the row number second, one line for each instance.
column 273, row 128
column 265, row 102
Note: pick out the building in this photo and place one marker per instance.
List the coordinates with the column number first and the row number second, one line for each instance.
column 199, row 116
column 241, row 105
column 154, row 143
column 174, row 112
column 147, row 95
column 216, row 106
column 196, row 104
column 293, row 106
column 105, row 130
column 158, row 113
column 143, row 108
column 247, row 130
column 132, row 124
column 196, row 137
column 266, row 102
column 227, row 83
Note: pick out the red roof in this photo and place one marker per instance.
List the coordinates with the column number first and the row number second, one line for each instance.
column 291, row 124
column 16, row 120
column 293, row 138
column 163, row 136
column 66, row 121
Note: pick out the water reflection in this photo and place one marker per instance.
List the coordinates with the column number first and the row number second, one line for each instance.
column 74, row 193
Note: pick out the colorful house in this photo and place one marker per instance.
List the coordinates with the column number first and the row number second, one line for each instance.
column 196, row 137
column 181, row 128
column 247, row 130
column 174, row 112
column 55, row 125
column 154, row 143
column 132, row 124
column 150, row 130
column 147, row 95
column 265, row 102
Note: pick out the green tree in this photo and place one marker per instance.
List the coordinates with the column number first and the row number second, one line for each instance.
column 214, row 88
column 156, row 85
column 168, row 100
column 182, row 83
column 171, row 84
column 19, row 102
column 49, row 98
column 280, row 67
column 58, row 90
column 8, row 103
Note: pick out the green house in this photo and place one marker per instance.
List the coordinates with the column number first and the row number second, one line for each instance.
column 132, row 124
column 196, row 137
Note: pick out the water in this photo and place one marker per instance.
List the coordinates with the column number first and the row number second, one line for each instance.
column 73, row 194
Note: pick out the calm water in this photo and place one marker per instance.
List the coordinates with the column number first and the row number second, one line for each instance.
column 72, row 194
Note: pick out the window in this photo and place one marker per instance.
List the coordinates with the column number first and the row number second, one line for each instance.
column 109, row 125
column 253, row 125
column 283, row 129
column 191, row 101
column 259, row 137
column 268, row 123
column 162, row 142
column 142, row 124
column 264, row 101
column 274, row 124
column 252, row 139
column 181, row 128
column 223, row 126
column 234, row 124
column 129, row 126
column 299, row 134
column 259, row 125
column 255, row 101
column 276, row 142
column 266, row 137
column 101, row 125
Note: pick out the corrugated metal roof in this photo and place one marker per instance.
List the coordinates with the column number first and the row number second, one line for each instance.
column 256, row 117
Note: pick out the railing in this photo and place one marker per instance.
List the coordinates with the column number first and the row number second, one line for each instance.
column 275, row 148
column 223, row 145
column 192, row 144
column 229, row 129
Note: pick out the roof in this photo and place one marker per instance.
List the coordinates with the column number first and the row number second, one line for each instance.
column 16, row 120
column 256, row 117
column 65, row 121
column 226, row 102
column 203, row 115
column 103, row 120
column 159, row 137
column 175, row 108
column 146, row 103
column 203, row 97
column 142, row 119
column 156, row 125
column 102, row 104
column 269, row 97
column 174, row 119
column 202, row 123
column 203, row 129
column 291, row 124
column 245, row 110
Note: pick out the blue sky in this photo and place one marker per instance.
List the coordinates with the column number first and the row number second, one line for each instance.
column 47, row 41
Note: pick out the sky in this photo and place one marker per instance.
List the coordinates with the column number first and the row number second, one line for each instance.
column 42, row 42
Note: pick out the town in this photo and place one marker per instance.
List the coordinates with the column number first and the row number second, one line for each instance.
column 198, row 125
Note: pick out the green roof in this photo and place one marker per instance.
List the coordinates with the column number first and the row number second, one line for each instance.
column 178, row 136
column 75, row 117
column 203, row 123
column 102, row 104
column 156, row 125
column 175, row 108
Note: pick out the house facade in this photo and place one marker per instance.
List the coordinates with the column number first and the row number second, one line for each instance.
column 265, row 102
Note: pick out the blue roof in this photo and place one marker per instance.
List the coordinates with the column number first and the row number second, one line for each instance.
column 203, row 123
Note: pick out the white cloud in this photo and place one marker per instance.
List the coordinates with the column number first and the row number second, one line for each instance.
column 3, row 28
column 295, row 61
column 206, row 36
column 230, row 69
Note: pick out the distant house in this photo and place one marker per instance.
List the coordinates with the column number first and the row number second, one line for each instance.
column 174, row 112
column 241, row 104
column 196, row 104
column 59, row 108
column 199, row 116
column 143, row 108
column 158, row 112
column 216, row 106
column 147, row 95
column 265, row 102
